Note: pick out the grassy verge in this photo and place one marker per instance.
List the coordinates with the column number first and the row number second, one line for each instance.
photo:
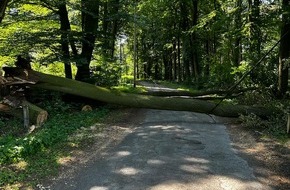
column 26, row 158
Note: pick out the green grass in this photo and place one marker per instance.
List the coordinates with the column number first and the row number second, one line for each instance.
column 27, row 158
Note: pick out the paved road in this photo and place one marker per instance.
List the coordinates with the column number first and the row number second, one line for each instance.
column 169, row 151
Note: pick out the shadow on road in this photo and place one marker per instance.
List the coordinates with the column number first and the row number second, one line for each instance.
column 169, row 150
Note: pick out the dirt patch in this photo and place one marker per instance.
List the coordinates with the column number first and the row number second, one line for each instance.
column 269, row 159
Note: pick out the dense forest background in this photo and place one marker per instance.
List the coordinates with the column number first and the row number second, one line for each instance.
column 205, row 43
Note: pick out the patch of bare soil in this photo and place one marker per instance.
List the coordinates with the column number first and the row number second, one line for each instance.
column 269, row 159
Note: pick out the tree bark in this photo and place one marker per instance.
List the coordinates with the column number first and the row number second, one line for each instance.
column 90, row 18
column 284, row 50
column 3, row 5
column 194, row 42
column 65, row 29
column 255, row 31
column 237, row 50
column 185, row 39
column 78, row 88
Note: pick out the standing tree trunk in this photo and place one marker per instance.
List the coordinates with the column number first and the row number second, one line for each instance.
column 3, row 5
column 65, row 30
column 179, row 67
column 110, row 27
column 167, row 65
column 174, row 58
column 208, row 55
column 105, row 25
column 90, row 18
column 255, row 31
column 115, row 6
column 185, row 39
column 237, row 51
column 284, row 49
column 194, row 44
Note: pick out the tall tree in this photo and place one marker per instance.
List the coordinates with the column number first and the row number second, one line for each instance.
column 237, row 51
column 284, row 49
column 194, row 42
column 90, row 19
column 110, row 24
column 65, row 32
column 255, row 29
column 186, row 53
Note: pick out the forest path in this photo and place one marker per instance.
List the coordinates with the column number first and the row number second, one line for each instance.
column 169, row 150
column 154, row 87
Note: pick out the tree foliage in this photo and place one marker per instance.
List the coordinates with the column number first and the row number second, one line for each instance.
column 206, row 43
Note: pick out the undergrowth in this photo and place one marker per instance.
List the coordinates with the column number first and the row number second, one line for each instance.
column 274, row 126
column 39, row 150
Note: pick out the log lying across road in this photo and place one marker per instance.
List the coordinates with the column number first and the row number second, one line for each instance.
column 196, row 94
column 74, row 87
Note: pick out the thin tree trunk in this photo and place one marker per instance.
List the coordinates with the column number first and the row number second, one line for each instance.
column 208, row 52
column 174, row 59
column 137, row 60
column 180, row 69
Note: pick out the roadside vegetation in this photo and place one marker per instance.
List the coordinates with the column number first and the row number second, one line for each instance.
column 29, row 156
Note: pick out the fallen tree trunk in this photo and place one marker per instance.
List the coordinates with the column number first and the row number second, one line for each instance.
column 37, row 116
column 78, row 88
column 195, row 94
column 216, row 97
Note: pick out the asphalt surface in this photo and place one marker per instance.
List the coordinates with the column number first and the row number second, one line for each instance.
column 169, row 150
